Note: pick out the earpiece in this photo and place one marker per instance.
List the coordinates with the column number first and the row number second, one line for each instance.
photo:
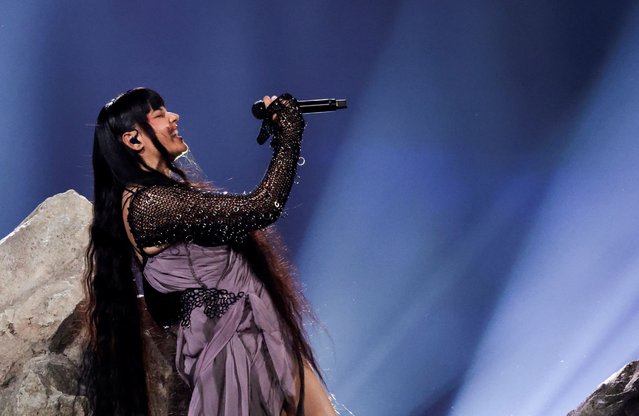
column 134, row 140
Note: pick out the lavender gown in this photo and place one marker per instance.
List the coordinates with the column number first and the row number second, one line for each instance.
column 238, row 364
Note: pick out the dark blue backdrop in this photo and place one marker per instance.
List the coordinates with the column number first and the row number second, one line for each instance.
column 466, row 230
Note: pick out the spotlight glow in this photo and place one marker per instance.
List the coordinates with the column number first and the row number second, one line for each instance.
column 568, row 317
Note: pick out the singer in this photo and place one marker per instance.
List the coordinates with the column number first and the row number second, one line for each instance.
column 241, row 346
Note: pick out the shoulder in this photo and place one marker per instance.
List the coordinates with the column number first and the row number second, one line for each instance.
column 136, row 191
column 129, row 193
column 143, row 197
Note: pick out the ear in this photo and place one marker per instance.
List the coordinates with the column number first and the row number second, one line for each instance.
column 131, row 139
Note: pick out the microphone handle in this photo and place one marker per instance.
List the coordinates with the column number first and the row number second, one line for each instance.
column 306, row 106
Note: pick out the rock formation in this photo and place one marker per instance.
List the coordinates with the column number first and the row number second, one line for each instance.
column 617, row 396
column 42, row 263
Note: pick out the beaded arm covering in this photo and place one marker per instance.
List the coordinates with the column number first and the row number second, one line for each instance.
column 160, row 215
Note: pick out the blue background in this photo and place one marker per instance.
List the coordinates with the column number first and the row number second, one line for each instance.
column 466, row 230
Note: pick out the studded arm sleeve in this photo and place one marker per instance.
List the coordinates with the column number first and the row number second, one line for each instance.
column 160, row 215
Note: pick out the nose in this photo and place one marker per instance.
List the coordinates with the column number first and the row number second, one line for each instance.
column 174, row 117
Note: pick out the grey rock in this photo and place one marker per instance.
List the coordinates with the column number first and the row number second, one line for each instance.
column 617, row 396
column 41, row 269
column 49, row 387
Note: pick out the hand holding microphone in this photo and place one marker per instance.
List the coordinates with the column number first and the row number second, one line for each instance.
column 261, row 111
column 306, row 106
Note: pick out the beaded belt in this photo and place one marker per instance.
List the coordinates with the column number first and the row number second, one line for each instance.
column 215, row 301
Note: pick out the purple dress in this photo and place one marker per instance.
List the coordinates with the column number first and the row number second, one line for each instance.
column 238, row 364
column 232, row 352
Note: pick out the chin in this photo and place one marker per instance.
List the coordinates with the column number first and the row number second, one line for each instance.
column 180, row 153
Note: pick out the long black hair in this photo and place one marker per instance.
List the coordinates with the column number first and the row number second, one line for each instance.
column 113, row 368
column 113, row 365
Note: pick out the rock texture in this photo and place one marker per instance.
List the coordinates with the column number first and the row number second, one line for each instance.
column 41, row 264
column 41, row 268
column 617, row 396
column 48, row 388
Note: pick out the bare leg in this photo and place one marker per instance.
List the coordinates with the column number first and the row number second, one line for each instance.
column 316, row 402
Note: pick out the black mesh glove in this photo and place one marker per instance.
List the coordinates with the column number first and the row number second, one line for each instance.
column 288, row 124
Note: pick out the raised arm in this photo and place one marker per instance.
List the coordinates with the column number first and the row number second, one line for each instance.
column 161, row 215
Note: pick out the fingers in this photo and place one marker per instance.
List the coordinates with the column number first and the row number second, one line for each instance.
column 268, row 100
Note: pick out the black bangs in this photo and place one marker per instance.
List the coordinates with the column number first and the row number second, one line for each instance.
column 138, row 97
column 154, row 100
column 130, row 108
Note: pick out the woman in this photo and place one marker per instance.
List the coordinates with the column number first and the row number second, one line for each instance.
column 240, row 346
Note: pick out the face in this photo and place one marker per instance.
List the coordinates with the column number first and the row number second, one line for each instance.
column 164, row 123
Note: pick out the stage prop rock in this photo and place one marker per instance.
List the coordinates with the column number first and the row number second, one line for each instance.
column 41, row 264
column 41, row 268
column 617, row 396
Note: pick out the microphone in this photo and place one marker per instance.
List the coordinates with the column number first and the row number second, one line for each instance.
column 306, row 106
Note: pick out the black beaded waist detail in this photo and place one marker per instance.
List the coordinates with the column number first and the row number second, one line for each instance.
column 215, row 301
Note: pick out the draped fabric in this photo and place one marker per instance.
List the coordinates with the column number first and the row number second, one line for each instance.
column 240, row 363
